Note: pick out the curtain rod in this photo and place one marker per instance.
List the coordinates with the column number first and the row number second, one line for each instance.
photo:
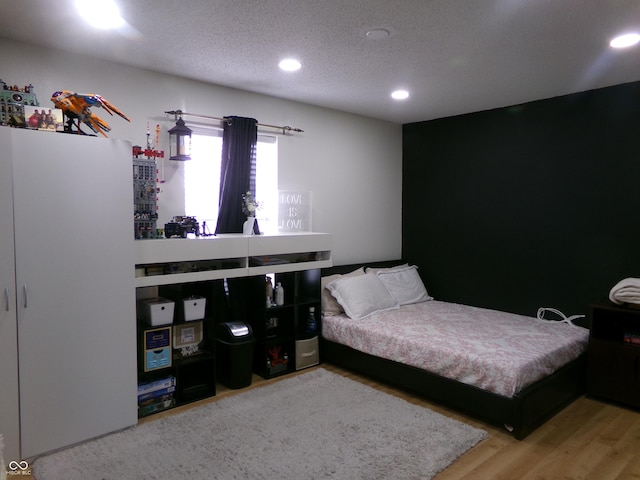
column 286, row 129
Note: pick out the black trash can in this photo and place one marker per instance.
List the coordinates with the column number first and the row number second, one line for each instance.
column 234, row 354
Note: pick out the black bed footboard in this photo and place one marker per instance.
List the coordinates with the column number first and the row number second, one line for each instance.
column 519, row 415
column 539, row 402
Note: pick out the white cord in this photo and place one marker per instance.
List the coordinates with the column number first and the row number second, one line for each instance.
column 565, row 319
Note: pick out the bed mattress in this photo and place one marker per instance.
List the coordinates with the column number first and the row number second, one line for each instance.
column 496, row 351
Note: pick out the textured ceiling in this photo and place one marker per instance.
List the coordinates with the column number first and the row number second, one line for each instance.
column 455, row 56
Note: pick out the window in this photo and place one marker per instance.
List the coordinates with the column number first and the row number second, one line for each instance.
column 202, row 180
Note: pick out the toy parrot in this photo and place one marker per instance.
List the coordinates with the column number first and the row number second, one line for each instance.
column 77, row 106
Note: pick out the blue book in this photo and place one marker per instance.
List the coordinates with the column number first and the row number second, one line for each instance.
column 156, row 385
column 155, row 393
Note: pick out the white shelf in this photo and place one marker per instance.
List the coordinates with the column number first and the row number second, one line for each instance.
column 285, row 243
column 174, row 278
column 234, row 249
column 289, row 267
column 170, row 250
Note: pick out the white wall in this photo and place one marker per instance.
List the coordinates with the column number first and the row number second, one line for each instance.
column 352, row 164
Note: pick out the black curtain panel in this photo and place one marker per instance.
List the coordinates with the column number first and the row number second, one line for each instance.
column 238, row 172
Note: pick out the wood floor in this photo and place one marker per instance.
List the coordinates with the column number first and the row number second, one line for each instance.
column 587, row 440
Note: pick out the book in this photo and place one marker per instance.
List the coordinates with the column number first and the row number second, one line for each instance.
column 155, row 393
column 156, row 400
column 156, row 385
column 155, row 407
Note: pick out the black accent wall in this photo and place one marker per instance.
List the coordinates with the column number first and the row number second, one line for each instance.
column 528, row 206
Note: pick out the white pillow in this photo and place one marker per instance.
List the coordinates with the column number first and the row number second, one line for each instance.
column 405, row 285
column 329, row 304
column 362, row 295
column 375, row 270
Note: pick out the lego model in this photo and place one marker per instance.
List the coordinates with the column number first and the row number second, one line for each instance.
column 13, row 100
column 76, row 106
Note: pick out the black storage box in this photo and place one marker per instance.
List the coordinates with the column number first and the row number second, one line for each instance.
column 234, row 354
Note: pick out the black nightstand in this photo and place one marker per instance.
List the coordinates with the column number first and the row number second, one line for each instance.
column 614, row 354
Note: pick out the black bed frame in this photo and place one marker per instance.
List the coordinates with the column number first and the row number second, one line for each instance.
column 519, row 415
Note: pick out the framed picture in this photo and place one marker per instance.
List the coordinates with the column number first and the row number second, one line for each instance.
column 39, row 118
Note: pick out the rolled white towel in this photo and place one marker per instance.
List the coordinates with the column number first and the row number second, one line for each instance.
column 626, row 291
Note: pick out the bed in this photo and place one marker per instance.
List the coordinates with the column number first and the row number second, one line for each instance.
column 515, row 372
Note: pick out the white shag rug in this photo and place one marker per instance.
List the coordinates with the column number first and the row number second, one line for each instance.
column 318, row 425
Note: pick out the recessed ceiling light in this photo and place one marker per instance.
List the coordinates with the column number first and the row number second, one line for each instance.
column 290, row 65
column 377, row 34
column 624, row 41
column 400, row 95
column 103, row 14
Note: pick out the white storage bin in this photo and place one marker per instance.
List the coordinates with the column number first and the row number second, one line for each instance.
column 158, row 311
column 193, row 308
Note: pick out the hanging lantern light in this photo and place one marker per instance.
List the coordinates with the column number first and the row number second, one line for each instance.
column 180, row 141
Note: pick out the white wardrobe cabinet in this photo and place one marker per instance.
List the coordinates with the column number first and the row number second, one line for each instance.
column 67, row 323
column 9, row 409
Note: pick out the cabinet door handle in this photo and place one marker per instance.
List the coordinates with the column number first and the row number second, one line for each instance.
column 6, row 299
column 24, row 291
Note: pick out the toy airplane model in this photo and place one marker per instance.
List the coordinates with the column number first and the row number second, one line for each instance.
column 76, row 106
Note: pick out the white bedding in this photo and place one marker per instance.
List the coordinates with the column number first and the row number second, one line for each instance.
column 497, row 351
